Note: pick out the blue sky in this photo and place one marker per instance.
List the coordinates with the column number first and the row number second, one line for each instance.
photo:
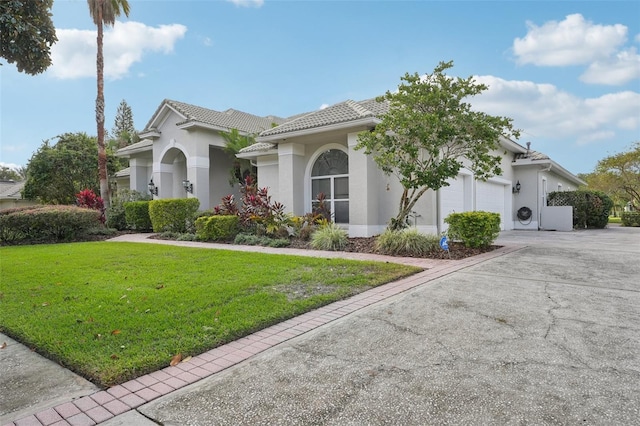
column 567, row 72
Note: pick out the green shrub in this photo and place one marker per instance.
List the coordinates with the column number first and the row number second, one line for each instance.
column 406, row 242
column 260, row 240
column 279, row 242
column 187, row 236
column 474, row 229
column 46, row 223
column 215, row 228
column 137, row 215
column 630, row 218
column 329, row 237
column 116, row 216
column 173, row 214
column 590, row 208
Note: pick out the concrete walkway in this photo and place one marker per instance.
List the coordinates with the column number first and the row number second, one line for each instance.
column 543, row 331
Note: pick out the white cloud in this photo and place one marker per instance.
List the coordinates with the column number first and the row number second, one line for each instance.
column 74, row 55
column 324, row 106
column 614, row 71
column 10, row 165
column 207, row 41
column 247, row 3
column 544, row 111
column 570, row 42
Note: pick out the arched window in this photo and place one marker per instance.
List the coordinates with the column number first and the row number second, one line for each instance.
column 330, row 176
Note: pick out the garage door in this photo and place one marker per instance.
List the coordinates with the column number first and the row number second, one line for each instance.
column 451, row 199
column 490, row 198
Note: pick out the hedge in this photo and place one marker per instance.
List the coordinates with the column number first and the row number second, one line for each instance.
column 214, row 228
column 173, row 214
column 474, row 229
column 46, row 223
column 136, row 214
column 630, row 218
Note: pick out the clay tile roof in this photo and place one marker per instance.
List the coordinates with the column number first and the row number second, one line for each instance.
column 339, row 113
column 229, row 119
column 259, row 146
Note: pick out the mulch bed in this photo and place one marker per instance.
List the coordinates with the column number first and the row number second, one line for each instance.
column 367, row 245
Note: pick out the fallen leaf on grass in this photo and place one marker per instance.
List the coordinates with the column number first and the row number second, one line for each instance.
column 114, row 332
column 4, row 345
column 114, row 356
column 175, row 360
column 158, row 287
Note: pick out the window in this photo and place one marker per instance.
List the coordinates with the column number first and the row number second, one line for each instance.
column 330, row 176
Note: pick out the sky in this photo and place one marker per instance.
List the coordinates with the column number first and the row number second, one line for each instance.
column 567, row 72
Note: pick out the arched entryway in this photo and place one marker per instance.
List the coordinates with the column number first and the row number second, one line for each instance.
column 173, row 170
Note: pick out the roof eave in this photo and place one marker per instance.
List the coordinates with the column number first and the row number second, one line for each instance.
column 372, row 121
column 151, row 134
column 187, row 125
column 255, row 154
column 553, row 166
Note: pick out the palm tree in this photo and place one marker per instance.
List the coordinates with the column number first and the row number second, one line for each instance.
column 103, row 12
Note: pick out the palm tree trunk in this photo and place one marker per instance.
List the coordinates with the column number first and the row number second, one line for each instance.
column 102, row 152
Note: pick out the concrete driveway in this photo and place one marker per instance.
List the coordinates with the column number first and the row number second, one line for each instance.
column 549, row 334
column 547, row 331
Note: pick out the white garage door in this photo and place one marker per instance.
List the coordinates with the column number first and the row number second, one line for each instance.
column 451, row 199
column 490, row 198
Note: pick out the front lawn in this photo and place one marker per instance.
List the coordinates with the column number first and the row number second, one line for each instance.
column 113, row 311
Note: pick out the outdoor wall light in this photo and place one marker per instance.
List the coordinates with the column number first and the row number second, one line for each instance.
column 152, row 188
column 516, row 189
column 188, row 186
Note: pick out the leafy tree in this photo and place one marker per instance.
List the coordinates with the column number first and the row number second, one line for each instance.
column 619, row 175
column 430, row 132
column 7, row 173
column 58, row 171
column 242, row 168
column 103, row 12
column 27, row 34
column 124, row 132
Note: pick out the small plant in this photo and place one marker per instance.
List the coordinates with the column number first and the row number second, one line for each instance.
column 630, row 218
column 474, row 229
column 406, row 242
column 187, row 236
column 89, row 200
column 329, row 237
column 262, row 240
column 257, row 213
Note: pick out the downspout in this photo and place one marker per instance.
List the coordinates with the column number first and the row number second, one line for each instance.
column 538, row 198
column 438, row 227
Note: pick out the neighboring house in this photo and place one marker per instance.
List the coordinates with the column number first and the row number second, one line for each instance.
column 315, row 152
column 11, row 194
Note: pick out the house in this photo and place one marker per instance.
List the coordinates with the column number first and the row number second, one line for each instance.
column 11, row 194
column 181, row 153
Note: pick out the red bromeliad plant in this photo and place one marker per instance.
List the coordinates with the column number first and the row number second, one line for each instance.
column 256, row 213
column 89, row 200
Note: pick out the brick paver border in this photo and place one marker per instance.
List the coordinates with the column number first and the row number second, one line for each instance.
column 104, row 405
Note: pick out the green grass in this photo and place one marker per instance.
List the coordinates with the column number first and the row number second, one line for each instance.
column 613, row 219
column 114, row 311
